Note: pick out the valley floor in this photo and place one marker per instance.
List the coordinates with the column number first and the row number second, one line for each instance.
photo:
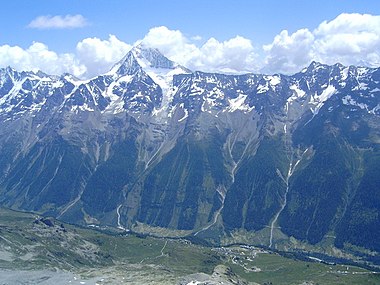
column 36, row 250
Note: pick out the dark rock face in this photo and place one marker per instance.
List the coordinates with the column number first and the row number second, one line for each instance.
column 150, row 142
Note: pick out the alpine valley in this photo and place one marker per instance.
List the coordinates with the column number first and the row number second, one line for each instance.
column 283, row 162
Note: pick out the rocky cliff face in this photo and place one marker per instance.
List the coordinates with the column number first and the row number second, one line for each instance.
column 153, row 143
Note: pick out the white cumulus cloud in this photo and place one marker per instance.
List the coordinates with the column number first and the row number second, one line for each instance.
column 100, row 55
column 235, row 55
column 92, row 57
column 172, row 43
column 38, row 57
column 287, row 53
column 347, row 39
column 58, row 22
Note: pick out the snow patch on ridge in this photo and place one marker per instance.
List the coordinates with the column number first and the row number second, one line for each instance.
column 186, row 113
column 297, row 93
column 344, row 73
column 238, row 103
column 84, row 107
column 348, row 100
column 274, row 80
column 317, row 101
column 262, row 89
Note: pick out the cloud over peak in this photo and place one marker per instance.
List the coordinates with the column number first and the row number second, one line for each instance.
column 58, row 22
column 235, row 55
column 99, row 55
column 351, row 39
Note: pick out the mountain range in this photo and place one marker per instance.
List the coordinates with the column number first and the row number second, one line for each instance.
column 152, row 146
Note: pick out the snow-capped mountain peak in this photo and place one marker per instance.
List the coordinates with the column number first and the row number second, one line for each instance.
column 146, row 58
column 151, row 57
column 146, row 61
column 128, row 65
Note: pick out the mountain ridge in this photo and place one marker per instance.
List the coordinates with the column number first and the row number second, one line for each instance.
column 152, row 144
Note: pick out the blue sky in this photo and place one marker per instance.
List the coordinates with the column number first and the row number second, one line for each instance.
column 258, row 23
